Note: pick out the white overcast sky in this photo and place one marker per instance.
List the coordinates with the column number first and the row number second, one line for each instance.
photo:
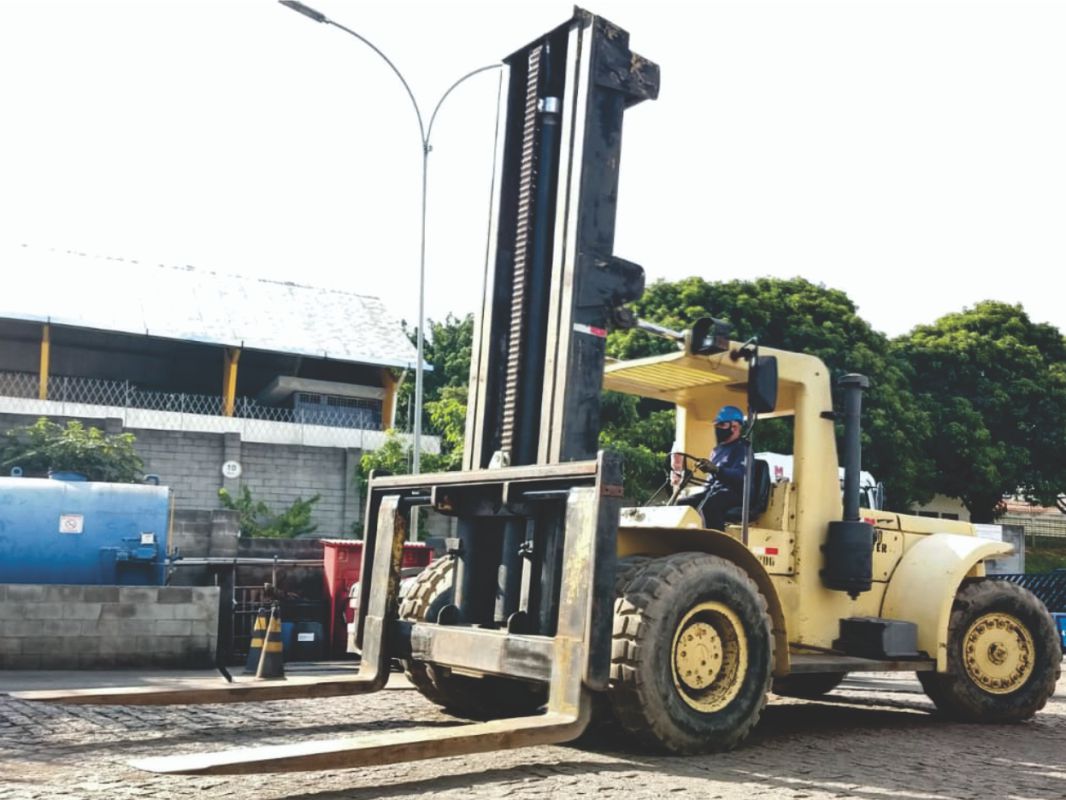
column 912, row 154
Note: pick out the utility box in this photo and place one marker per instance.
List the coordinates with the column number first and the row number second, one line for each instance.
column 874, row 637
column 82, row 532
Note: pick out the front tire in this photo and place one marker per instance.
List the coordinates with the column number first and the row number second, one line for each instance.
column 1004, row 656
column 484, row 698
column 692, row 656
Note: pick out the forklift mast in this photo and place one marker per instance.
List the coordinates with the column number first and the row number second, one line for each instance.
column 552, row 283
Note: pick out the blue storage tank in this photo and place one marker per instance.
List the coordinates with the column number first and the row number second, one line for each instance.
column 57, row 531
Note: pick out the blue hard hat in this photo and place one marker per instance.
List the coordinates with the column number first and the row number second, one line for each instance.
column 729, row 414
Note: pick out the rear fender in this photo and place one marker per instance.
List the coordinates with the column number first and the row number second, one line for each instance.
column 924, row 584
column 666, row 541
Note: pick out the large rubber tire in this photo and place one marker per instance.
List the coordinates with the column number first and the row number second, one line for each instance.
column 488, row 697
column 627, row 569
column 692, row 656
column 604, row 723
column 1004, row 656
column 807, row 685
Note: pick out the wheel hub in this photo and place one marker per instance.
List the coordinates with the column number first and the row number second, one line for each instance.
column 710, row 656
column 699, row 656
column 998, row 653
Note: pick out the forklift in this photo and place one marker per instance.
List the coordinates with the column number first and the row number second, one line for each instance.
column 554, row 603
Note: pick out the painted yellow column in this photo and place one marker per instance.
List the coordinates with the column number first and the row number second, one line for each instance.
column 46, row 357
column 388, row 405
column 230, row 357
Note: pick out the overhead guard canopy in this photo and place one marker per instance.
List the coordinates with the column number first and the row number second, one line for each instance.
column 708, row 382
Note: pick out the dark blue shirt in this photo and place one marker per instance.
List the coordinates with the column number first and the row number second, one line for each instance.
column 729, row 458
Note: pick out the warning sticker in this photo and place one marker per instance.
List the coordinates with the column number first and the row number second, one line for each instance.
column 71, row 523
column 764, row 551
column 591, row 331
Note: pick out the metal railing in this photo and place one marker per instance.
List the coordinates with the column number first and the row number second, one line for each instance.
column 315, row 420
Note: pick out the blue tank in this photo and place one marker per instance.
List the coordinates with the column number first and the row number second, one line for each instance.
column 57, row 531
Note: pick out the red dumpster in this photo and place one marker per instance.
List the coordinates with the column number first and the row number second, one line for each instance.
column 342, row 560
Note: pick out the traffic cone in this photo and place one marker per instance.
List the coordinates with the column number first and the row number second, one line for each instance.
column 271, row 659
column 256, row 647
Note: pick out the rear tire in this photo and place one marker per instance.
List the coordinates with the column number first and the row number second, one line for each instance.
column 692, row 656
column 807, row 686
column 1004, row 656
column 487, row 697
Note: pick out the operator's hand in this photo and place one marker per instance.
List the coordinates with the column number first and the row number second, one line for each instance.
column 704, row 465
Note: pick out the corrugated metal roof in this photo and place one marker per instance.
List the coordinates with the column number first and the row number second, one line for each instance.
column 192, row 304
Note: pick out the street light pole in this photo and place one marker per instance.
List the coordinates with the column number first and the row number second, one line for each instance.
column 424, row 132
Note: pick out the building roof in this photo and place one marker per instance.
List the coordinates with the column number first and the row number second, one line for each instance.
column 198, row 305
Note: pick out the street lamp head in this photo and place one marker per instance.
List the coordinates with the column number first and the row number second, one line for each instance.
column 307, row 11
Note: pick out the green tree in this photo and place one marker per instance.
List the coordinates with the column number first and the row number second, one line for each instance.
column 393, row 458
column 447, row 348
column 800, row 316
column 256, row 520
column 642, row 432
column 447, row 416
column 993, row 383
column 46, row 446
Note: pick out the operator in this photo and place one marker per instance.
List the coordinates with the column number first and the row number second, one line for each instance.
column 725, row 469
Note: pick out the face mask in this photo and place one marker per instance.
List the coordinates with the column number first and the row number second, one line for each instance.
column 721, row 434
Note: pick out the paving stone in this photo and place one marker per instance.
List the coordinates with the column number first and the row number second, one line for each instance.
column 874, row 738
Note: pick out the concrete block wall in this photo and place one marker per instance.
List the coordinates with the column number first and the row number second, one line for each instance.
column 102, row 627
column 202, row 532
column 189, row 463
column 279, row 474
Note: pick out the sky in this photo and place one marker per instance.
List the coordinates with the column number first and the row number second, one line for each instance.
column 911, row 154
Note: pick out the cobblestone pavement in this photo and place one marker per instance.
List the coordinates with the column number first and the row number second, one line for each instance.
column 875, row 737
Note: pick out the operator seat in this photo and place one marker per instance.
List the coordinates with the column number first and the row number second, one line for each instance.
column 760, row 493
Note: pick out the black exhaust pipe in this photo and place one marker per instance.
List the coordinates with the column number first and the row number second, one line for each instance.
column 853, row 386
column 849, row 545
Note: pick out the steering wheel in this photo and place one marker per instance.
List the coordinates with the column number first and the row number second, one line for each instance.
column 681, row 471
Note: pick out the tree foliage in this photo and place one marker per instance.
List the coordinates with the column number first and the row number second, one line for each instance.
column 447, row 416
column 641, row 431
column 447, row 348
column 394, row 458
column 994, row 385
column 256, row 520
column 45, row 447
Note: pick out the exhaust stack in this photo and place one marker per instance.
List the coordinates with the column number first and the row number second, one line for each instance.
column 848, row 546
column 853, row 386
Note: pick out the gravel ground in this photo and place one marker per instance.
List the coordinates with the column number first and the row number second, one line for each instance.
column 874, row 737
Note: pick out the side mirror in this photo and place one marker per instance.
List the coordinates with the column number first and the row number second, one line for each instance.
column 762, row 384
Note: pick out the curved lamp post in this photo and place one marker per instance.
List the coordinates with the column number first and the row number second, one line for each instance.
column 424, row 132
